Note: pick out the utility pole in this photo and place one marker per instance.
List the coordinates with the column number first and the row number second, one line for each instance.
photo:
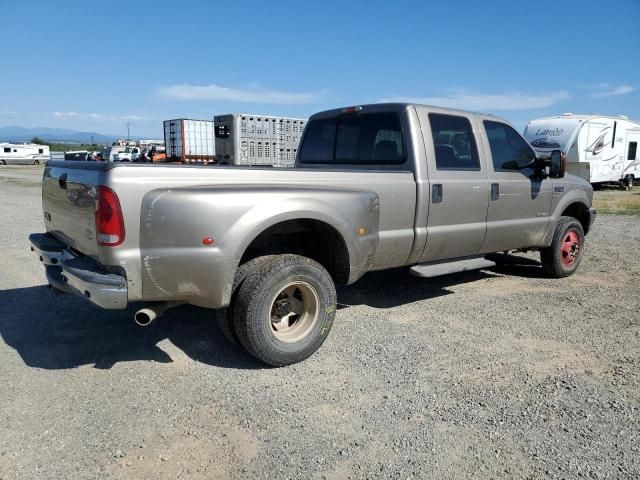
column 128, row 126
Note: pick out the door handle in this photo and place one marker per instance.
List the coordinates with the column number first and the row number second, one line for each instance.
column 495, row 191
column 436, row 193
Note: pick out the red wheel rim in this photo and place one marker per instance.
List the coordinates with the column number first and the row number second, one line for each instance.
column 570, row 248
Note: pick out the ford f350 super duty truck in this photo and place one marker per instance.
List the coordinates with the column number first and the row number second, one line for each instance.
column 375, row 187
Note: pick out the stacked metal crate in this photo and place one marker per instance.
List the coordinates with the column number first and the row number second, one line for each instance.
column 245, row 139
column 189, row 141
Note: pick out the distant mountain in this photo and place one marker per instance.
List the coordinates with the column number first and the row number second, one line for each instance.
column 22, row 134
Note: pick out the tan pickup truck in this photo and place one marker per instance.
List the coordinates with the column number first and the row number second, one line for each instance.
column 375, row 187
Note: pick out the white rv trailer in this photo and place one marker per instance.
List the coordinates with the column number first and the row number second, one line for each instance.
column 599, row 148
column 23, row 153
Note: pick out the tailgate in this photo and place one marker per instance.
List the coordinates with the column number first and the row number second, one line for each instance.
column 69, row 203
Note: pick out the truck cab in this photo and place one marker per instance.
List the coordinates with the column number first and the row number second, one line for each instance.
column 481, row 187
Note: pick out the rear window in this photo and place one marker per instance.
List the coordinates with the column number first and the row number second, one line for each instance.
column 363, row 139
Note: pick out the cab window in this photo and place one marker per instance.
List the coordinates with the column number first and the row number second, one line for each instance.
column 454, row 142
column 354, row 139
column 509, row 151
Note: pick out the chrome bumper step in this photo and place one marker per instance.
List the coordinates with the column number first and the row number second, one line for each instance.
column 80, row 276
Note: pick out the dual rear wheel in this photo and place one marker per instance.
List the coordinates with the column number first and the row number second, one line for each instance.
column 282, row 308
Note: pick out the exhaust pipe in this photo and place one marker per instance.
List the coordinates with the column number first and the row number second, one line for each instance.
column 145, row 316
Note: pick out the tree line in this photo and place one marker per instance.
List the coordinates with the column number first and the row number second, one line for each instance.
column 66, row 147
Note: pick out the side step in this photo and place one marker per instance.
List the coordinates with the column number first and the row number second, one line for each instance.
column 428, row 270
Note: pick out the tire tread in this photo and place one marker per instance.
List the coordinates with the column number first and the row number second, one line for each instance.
column 247, row 308
column 549, row 256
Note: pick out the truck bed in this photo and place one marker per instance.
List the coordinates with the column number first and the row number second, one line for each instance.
column 167, row 207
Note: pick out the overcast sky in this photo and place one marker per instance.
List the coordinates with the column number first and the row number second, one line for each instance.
column 96, row 66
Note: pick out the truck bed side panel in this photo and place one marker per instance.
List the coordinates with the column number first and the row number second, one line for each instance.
column 177, row 265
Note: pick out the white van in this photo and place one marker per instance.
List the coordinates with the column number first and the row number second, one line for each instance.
column 599, row 148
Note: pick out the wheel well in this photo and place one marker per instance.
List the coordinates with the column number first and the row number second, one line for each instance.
column 580, row 212
column 311, row 238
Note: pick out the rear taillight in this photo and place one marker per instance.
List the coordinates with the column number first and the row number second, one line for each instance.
column 109, row 221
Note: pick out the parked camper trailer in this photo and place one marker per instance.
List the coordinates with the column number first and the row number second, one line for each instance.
column 23, row 153
column 600, row 149
column 246, row 139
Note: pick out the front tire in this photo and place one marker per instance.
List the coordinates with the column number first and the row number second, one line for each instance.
column 562, row 258
column 285, row 309
column 36, row 162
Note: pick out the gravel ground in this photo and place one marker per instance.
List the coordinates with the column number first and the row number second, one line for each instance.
column 498, row 373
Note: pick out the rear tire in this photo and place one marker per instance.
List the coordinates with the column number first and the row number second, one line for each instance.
column 623, row 184
column 36, row 162
column 630, row 181
column 562, row 258
column 285, row 309
column 224, row 316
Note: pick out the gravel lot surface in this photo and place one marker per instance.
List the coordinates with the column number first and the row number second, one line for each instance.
column 498, row 373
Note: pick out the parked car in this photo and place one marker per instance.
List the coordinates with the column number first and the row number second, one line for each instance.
column 375, row 187
column 127, row 154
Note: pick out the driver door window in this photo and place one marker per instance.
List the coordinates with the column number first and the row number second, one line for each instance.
column 509, row 151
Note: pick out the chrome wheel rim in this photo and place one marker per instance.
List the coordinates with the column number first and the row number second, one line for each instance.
column 294, row 312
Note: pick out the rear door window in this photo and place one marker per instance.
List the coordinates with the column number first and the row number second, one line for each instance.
column 454, row 142
column 365, row 139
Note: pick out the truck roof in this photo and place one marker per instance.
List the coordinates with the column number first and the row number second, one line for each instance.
column 399, row 107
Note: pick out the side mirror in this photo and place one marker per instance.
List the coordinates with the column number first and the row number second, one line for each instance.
column 558, row 164
column 540, row 168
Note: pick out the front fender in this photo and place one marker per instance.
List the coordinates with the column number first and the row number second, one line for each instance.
column 564, row 195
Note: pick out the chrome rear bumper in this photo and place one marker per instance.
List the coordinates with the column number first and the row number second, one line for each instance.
column 78, row 275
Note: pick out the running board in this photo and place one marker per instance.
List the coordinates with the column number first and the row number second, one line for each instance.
column 429, row 270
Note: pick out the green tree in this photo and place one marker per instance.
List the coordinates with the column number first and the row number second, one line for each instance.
column 39, row 141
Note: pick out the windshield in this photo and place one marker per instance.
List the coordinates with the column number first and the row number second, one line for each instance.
column 551, row 134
